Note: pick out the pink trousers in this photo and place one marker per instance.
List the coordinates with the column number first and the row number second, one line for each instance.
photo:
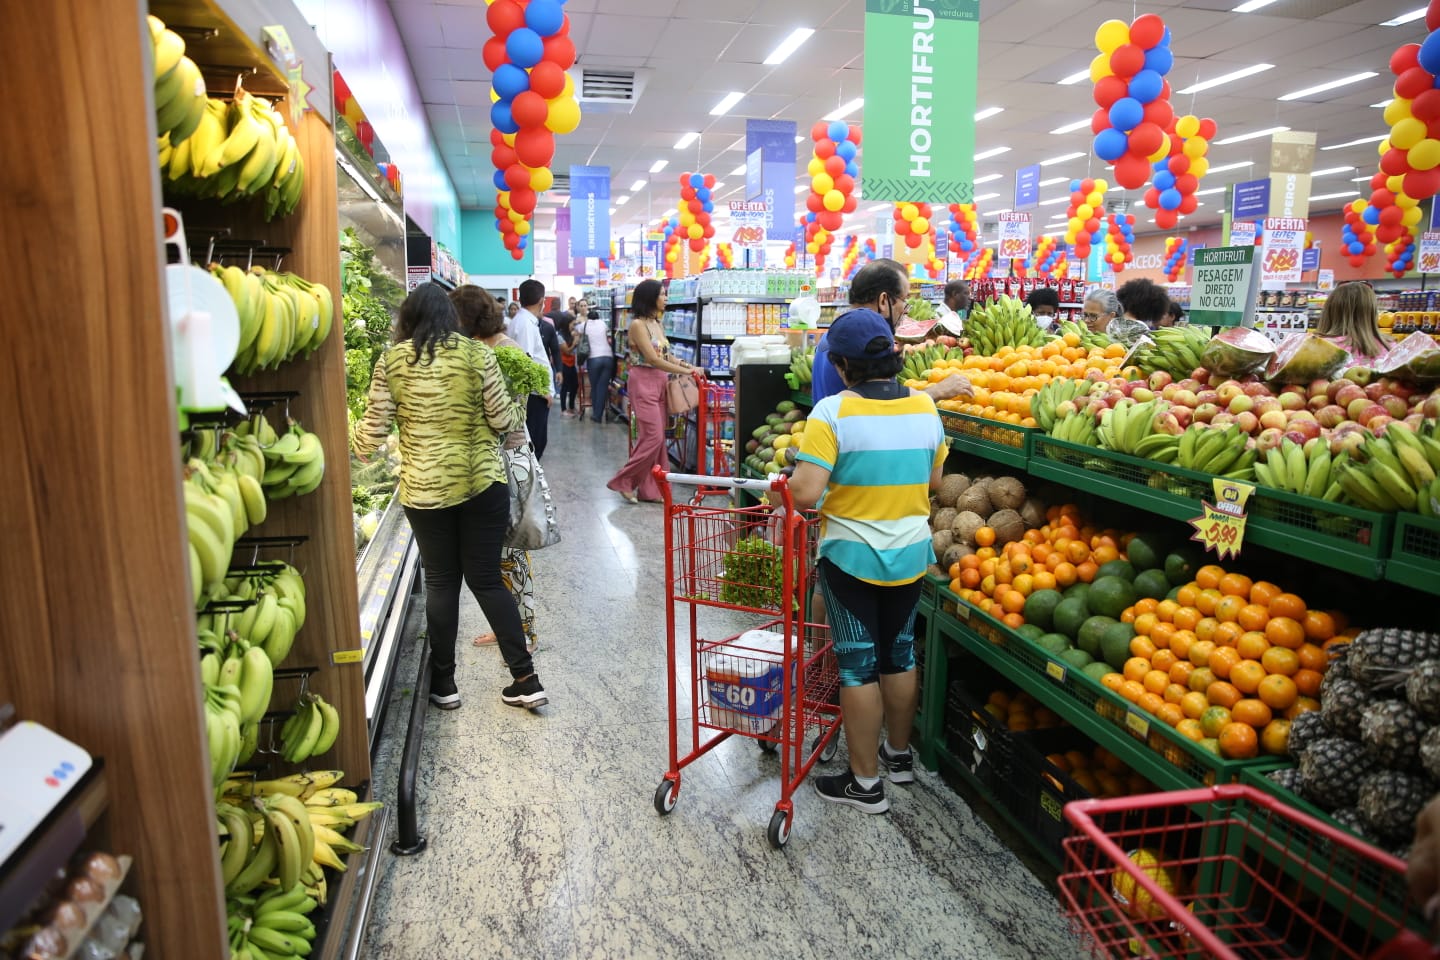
column 645, row 387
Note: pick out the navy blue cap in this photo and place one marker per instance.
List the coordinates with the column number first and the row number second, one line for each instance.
column 852, row 334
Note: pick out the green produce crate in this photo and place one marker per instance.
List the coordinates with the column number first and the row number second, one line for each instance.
column 1001, row 442
column 802, row 398
column 1415, row 555
column 1337, row 535
column 1258, row 777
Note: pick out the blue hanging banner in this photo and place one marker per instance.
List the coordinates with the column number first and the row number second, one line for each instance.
column 774, row 141
column 1250, row 199
column 590, row 211
column 1027, row 187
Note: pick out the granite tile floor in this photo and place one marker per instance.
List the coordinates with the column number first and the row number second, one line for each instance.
column 543, row 841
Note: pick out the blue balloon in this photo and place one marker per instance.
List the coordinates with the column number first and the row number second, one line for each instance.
column 845, row 149
column 1430, row 54
column 1146, row 85
column 708, row 207
column 1357, row 248
column 1170, row 199
column 1126, row 114
column 498, row 178
column 1164, row 180
column 852, row 169
column 1371, row 215
column 702, row 194
column 524, row 242
column 839, row 130
column 1074, row 185
column 524, row 47
column 545, row 17
column 501, row 119
column 1165, row 38
column 1159, row 59
column 1110, row 145
column 697, row 180
column 510, row 81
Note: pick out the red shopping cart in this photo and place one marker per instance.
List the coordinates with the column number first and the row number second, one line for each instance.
column 774, row 682
column 716, row 420
column 1231, row 872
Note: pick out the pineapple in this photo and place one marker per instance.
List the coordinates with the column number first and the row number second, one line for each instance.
column 1338, row 669
column 1422, row 689
column 1349, row 818
column 1305, row 730
column 1342, row 707
column 1391, row 731
column 1430, row 752
column 1287, row 778
column 1331, row 771
column 1376, row 655
column 1389, row 802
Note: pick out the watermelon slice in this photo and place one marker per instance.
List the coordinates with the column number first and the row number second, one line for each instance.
column 1237, row 352
column 1303, row 357
column 1415, row 358
column 913, row 331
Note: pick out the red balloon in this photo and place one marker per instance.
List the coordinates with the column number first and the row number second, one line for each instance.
column 1165, row 90
column 1382, row 198
column 851, row 202
column 547, row 79
column 559, row 50
column 1414, row 82
column 1127, row 60
column 493, row 53
column 1146, row 139
column 913, row 240
column 1187, row 183
column 1357, row 261
column 687, row 193
column 1179, row 164
column 1369, row 249
column 1160, row 113
column 511, row 241
column 1389, row 232
column 1148, row 30
column 830, row 219
column 1426, row 107
column 1422, row 184
column 1108, row 90
column 1391, row 217
column 925, row 210
column 523, row 201
column 1208, row 128
column 698, row 246
column 1406, row 57
column 529, row 109
column 709, row 181
column 696, row 207
column 1394, row 164
column 517, row 177
column 1432, row 129
column 825, row 149
column 503, row 157
column 1087, row 186
column 1092, row 225
column 1432, row 16
column 1100, row 121
column 506, row 226
column 1132, row 171
column 709, row 231
column 835, row 165
column 1189, row 203
column 504, row 16
column 854, row 136
column 1166, row 219
column 1152, row 198
column 1378, row 181
column 535, row 147
column 821, row 131
column 497, row 139
column 845, row 183
column 814, row 203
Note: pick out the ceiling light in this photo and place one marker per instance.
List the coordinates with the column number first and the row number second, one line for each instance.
column 1251, row 5
column 1252, row 135
column 992, row 152
column 1062, row 158
column 1336, row 196
column 637, row 186
column 985, row 196
column 1322, row 87
column 1075, row 77
column 1071, row 127
column 1232, row 166
column 1206, row 193
column 669, row 213
column 1052, row 202
column 1061, row 216
column 738, row 171
column 988, row 178
column 1381, row 105
column 845, row 109
column 987, row 113
column 612, row 211
column 995, row 213
column 686, row 140
column 789, row 45
column 1054, row 180
column 718, row 186
column 802, row 188
column 621, row 200
column 726, row 103
column 1360, row 179
column 799, row 139
column 659, row 165
column 1240, row 74
column 1404, row 18
column 1329, row 170
column 1356, row 143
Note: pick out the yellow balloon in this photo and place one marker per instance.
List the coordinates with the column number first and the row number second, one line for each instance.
column 1195, row 148
column 494, row 97
column 1187, row 126
column 522, row 228
column 516, row 217
column 920, row 225
column 1095, row 199
column 541, row 179
column 1111, row 35
column 1084, row 212
column 1100, row 68
column 1406, row 133
column 1399, row 109
column 671, row 257
column 812, row 247
column 695, row 231
column 509, row 139
column 1406, row 202
column 1360, row 205
column 1164, row 150
column 823, row 183
column 815, row 167
column 1394, row 184
column 569, row 90
column 686, row 219
column 908, row 211
column 834, row 201
column 1117, row 257
column 1384, row 147
column 1199, row 167
column 564, row 115
column 1101, row 186
column 1425, row 155
column 1411, row 216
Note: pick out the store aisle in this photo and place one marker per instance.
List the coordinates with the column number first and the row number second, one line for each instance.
column 543, row 840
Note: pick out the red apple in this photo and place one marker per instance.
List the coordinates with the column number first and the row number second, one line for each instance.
column 1370, row 413
column 1318, row 403
column 1333, row 390
column 1208, row 396
column 1293, row 415
column 1223, row 418
column 1308, row 429
column 1375, row 390
column 1205, row 412
column 1167, row 423
column 1183, row 415
column 1349, row 393
column 1378, row 423
column 1256, row 389
column 1065, row 408
column 1354, row 408
column 1160, row 379
column 1247, row 421
column 1269, row 439
column 1266, row 404
column 1194, row 386
column 1330, row 416
column 1114, row 395
column 1273, row 419
column 1229, row 390
column 1142, row 394
column 1170, row 390
column 1186, row 398
column 1360, row 375
column 1240, row 404
column 1398, row 387
column 1318, row 388
column 1291, row 401
column 1201, row 374
column 1397, row 407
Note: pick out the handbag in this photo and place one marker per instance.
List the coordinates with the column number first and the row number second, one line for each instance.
column 682, row 393
column 535, row 521
column 582, row 346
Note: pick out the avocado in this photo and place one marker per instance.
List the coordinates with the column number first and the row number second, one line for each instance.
column 1117, row 568
column 1115, row 644
column 1109, row 596
column 1080, row 590
column 1146, row 551
column 1070, row 615
column 760, row 431
column 1055, row 643
column 1092, row 631
column 1030, row 631
column 1076, row 659
column 1152, row 584
column 1097, row 671
column 1040, row 608
column 1180, row 566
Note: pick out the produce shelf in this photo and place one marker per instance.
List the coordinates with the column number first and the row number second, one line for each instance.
column 1347, row 538
column 1000, row 442
column 1415, row 554
column 981, row 784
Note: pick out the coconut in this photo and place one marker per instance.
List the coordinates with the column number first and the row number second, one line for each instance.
column 965, row 526
column 975, row 500
column 1007, row 493
column 1033, row 513
column 941, row 542
column 945, row 519
column 953, row 555
column 1007, row 525
column 935, row 571
column 951, row 487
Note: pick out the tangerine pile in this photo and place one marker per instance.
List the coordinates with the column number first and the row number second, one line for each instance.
column 1229, row 662
column 1020, row 712
column 1005, row 382
column 997, row 578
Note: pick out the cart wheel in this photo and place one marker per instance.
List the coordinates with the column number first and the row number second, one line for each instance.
column 779, row 830
column 830, row 750
column 665, row 796
column 768, row 746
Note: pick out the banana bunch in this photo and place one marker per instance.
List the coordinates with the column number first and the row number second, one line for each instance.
column 1290, row 467
column 236, row 150
column 282, row 316
column 1399, row 471
column 1004, row 321
column 278, row 613
column 275, row 924
column 1123, row 427
column 311, row 729
column 919, row 309
column 1220, row 451
column 223, row 712
column 918, row 363
column 1088, row 338
column 1075, row 428
column 277, row 840
column 1175, row 350
column 295, row 463
column 179, row 89
column 331, row 810
column 215, row 516
column 802, row 365
column 1054, row 393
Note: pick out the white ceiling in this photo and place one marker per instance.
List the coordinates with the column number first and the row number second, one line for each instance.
column 695, row 51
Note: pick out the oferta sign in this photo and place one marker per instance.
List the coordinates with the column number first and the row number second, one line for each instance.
column 920, row 68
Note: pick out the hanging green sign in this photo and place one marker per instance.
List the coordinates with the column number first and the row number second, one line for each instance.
column 921, row 58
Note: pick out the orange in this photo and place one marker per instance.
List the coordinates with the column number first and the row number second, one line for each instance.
column 1207, row 601
column 1013, row 620
column 1227, row 634
column 1238, row 741
column 1186, row 595
column 970, row 579
column 1136, row 668
column 1247, row 676
column 1263, row 592
column 1112, row 681
column 1254, row 712
column 1003, row 572
column 1319, row 626
column 1164, row 660
column 1213, row 720
column 1021, row 563
column 1150, row 702
column 1014, row 602
column 1144, row 623
column 1142, row 647
column 987, row 567
column 1146, row 605
column 1059, row 761
column 1253, row 646
column 1308, row 682
column 1024, row 584
column 1161, row 635
column 1312, row 657
column 1044, row 580
column 1302, row 705
column 1180, row 673
column 1275, row 738
column 1285, row 632
column 1175, row 693
column 1170, row 713
column 1200, row 652
column 1065, row 573
column 1165, row 611
column 1222, row 660
column 1127, row 615
column 1104, row 554
column 1229, row 607
column 1086, row 571
column 985, row 536
column 1222, row 694
column 1194, row 704
column 1205, row 629
column 1208, row 576
column 1156, row 681
column 1280, row 660
column 986, row 553
column 1278, row 692
column 1236, row 585
column 969, row 561
column 1253, row 616
column 1180, row 641
column 1076, row 552
column 1187, row 618
column 1287, row 605
column 1191, row 729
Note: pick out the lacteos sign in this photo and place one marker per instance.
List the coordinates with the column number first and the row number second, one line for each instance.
column 1148, row 261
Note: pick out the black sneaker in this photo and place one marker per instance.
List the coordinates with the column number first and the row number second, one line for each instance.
column 525, row 693
column 899, row 767
column 842, row 788
column 443, row 693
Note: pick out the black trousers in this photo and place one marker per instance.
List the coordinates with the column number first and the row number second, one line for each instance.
column 464, row 542
column 537, row 419
column 569, row 387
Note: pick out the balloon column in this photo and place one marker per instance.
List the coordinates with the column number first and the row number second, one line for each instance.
column 980, row 267
column 695, row 208
column 724, row 256
column 964, row 227
column 1118, row 241
column 1133, row 96
column 1177, row 177
column 1176, row 249
column 1087, row 215
column 912, row 223
column 833, row 169
column 934, row 266
column 790, row 256
column 1043, row 255
column 533, row 101
column 1400, row 255
column 1356, row 235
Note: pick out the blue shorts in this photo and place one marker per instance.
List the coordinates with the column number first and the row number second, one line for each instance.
column 873, row 627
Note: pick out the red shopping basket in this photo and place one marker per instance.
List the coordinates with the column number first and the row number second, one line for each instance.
column 1230, row 872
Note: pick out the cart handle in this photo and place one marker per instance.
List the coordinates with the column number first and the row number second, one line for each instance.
column 737, row 483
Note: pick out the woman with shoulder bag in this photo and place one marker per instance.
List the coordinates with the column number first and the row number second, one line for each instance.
column 650, row 366
column 592, row 348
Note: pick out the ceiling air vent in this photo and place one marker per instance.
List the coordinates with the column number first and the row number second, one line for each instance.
column 608, row 89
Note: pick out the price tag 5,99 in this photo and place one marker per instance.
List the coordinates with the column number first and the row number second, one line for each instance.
column 1221, row 528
